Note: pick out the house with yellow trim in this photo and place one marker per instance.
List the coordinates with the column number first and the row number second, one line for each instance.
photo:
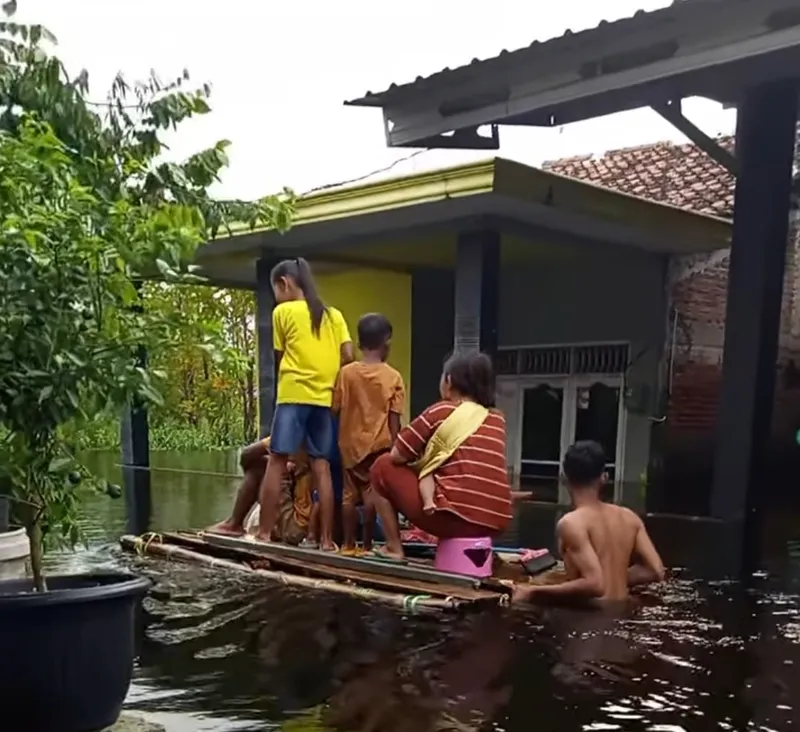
column 561, row 281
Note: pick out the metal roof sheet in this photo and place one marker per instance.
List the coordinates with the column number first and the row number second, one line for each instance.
column 566, row 42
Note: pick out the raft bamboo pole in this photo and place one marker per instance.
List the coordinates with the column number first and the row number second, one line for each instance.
column 275, row 551
column 413, row 604
column 323, row 571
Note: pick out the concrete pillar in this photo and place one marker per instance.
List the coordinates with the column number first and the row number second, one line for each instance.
column 432, row 322
column 477, row 290
column 765, row 137
column 135, row 439
column 266, row 367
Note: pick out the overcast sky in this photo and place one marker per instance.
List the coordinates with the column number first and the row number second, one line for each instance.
column 280, row 72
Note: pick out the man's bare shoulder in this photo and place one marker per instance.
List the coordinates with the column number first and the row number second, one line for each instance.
column 582, row 520
column 573, row 523
column 629, row 516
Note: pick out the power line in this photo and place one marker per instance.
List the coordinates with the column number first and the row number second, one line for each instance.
column 360, row 178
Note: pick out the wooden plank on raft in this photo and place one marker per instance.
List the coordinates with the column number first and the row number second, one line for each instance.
column 414, row 604
column 195, row 539
column 386, row 569
column 364, row 579
column 390, row 584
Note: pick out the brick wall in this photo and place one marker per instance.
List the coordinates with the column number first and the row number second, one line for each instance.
column 697, row 287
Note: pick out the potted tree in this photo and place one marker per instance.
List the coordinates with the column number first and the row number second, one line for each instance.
column 88, row 208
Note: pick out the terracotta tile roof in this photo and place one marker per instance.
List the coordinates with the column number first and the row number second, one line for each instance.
column 681, row 175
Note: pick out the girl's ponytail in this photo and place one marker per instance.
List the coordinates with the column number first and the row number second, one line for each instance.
column 299, row 271
column 305, row 281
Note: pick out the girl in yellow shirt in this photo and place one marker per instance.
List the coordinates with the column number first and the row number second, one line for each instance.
column 311, row 342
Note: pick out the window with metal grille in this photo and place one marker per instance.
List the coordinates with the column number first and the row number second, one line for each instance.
column 597, row 358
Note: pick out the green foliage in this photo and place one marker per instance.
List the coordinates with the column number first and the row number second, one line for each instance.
column 209, row 393
column 208, row 380
column 89, row 209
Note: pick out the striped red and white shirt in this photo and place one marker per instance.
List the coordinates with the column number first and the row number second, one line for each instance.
column 473, row 483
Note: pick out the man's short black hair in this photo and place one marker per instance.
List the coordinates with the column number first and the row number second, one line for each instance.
column 584, row 463
column 374, row 329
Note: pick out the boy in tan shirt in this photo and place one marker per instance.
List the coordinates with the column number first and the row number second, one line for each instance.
column 369, row 398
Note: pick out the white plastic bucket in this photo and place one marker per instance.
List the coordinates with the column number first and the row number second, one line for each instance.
column 15, row 548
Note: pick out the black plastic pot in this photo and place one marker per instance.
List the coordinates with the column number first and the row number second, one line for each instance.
column 66, row 655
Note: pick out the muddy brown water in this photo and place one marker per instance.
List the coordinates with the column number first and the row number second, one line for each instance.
column 226, row 653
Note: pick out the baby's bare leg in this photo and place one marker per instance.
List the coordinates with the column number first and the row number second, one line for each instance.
column 427, row 488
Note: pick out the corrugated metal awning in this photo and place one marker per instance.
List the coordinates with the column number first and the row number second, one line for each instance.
column 566, row 42
column 705, row 48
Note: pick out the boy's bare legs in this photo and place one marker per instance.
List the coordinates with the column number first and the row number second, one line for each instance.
column 427, row 489
column 370, row 519
column 350, row 501
column 312, row 537
column 349, row 525
column 269, row 495
column 391, row 527
column 321, row 470
column 253, row 461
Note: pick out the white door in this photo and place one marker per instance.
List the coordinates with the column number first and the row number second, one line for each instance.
column 595, row 412
column 545, row 415
column 542, row 433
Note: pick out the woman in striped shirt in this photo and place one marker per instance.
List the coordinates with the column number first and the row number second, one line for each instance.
column 473, row 494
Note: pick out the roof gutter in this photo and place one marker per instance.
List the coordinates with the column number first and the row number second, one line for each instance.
column 428, row 187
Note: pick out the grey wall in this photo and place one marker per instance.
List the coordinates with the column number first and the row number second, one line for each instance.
column 617, row 296
column 605, row 295
column 594, row 295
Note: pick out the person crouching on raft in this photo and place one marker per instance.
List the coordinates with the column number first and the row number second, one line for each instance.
column 461, row 442
column 295, row 506
column 312, row 343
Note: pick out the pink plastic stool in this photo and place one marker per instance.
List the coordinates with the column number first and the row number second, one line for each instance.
column 472, row 557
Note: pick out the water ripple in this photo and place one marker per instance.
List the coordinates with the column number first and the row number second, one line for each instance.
column 229, row 653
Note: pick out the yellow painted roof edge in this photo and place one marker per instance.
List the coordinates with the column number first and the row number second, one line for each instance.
column 408, row 190
column 503, row 177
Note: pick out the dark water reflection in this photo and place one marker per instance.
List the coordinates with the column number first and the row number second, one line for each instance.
column 226, row 653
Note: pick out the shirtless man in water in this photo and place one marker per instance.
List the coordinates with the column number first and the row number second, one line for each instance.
column 606, row 548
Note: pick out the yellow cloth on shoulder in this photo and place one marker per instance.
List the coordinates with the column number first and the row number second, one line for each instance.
column 459, row 426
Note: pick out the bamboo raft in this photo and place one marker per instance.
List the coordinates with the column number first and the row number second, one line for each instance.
column 414, row 586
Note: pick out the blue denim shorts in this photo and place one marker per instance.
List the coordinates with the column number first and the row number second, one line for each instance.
column 302, row 425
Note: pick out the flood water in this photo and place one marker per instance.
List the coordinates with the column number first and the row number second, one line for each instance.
column 226, row 653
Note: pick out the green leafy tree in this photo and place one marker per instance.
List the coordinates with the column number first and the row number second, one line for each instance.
column 207, row 373
column 88, row 210
column 209, row 393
